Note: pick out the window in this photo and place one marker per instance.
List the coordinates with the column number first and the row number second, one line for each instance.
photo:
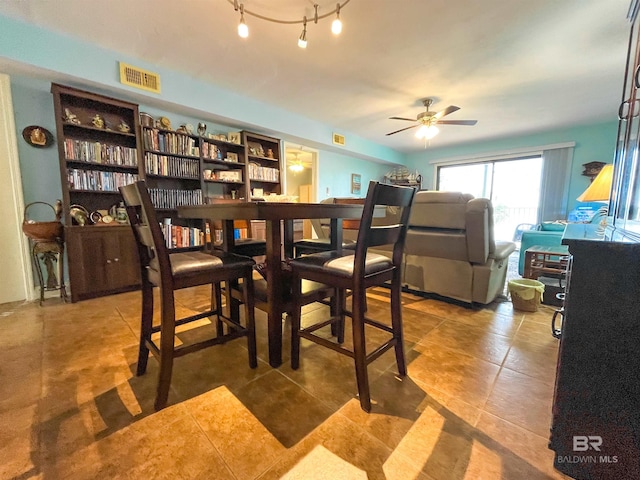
column 512, row 185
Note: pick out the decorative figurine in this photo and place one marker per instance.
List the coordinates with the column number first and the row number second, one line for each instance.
column 71, row 117
column 57, row 209
column 97, row 121
column 202, row 128
column 123, row 127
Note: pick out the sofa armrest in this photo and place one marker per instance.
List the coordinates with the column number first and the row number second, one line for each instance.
column 503, row 250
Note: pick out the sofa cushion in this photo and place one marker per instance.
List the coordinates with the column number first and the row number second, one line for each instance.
column 439, row 209
column 437, row 242
column 552, row 226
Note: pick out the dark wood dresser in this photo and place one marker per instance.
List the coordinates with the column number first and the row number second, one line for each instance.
column 595, row 429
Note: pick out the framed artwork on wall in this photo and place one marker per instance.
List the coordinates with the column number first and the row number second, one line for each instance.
column 356, row 181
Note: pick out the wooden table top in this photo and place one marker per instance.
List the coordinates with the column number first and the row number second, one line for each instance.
column 270, row 211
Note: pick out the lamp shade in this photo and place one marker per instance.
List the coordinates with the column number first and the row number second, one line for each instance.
column 600, row 188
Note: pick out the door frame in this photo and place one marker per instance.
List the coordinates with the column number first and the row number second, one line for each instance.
column 13, row 242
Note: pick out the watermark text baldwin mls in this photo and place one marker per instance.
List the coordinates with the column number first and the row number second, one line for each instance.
column 584, row 443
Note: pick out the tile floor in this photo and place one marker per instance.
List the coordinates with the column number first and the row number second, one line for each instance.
column 475, row 404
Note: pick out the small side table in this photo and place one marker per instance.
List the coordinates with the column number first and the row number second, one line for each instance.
column 545, row 260
column 50, row 252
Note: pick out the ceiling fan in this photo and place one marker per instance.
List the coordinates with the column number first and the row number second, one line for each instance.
column 427, row 121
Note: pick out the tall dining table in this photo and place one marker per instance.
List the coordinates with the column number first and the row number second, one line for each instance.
column 278, row 219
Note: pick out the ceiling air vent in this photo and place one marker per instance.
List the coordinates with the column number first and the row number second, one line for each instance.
column 139, row 78
column 338, row 139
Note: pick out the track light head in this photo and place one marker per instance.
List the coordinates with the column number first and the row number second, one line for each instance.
column 302, row 41
column 243, row 30
column 336, row 25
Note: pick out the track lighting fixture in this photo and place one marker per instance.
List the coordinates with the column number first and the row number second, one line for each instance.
column 302, row 41
column 243, row 30
column 336, row 25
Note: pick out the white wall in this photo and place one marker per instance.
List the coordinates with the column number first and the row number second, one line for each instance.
column 16, row 273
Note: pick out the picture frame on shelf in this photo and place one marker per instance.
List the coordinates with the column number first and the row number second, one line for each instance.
column 230, row 176
column 256, row 149
column 234, row 137
column 232, row 157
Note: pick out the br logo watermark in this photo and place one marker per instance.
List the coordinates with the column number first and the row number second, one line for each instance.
column 587, row 443
column 583, row 443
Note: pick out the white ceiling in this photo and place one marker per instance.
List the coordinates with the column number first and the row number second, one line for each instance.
column 516, row 66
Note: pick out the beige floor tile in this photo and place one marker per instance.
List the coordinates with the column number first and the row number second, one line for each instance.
column 522, row 400
column 453, row 373
column 349, row 443
column 243, row 441
column 534, row 360
column 72, row 407
column 536, row 332
column 521, row 454
column 471, row 339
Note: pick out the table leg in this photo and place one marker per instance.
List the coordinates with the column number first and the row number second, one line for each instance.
column 274, row 291
column 336, row 244
column 228, row 243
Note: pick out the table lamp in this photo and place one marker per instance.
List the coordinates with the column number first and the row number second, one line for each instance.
column 600, row 188
column 600, row 191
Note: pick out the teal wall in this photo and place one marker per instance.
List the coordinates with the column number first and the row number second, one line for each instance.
column 186, row 99
column 39, row 167
column 72, row 62
column 334, row 175
column 592, row 143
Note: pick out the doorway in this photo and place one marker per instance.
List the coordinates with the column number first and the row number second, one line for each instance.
column 300, row 179
column 513, row 186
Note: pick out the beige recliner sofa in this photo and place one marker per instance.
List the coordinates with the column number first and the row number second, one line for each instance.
column 450, row 248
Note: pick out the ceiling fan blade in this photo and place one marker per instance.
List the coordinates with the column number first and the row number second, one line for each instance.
column 403, row 129
column 403, row 118
column 457, row 122
column 446, row 111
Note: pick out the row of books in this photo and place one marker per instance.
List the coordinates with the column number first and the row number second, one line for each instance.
column 257, row 172
column 209, row 150
column 171, row 166
column 170, row 142
column 173, row 198
column 96, row 152
column 98, row 181
column 177, row 236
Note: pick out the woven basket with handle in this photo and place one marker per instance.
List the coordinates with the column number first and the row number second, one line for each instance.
column 42, row 231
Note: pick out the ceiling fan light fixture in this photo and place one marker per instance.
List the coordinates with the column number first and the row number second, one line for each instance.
column 427, row 132
column 243, row 30
column 336, row 25
column 302, row 41
column 296, row 167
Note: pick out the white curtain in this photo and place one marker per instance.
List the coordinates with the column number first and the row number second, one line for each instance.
column 554, row 190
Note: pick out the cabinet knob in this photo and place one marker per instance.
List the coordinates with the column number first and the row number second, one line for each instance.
column 116, row 259
column 108, row 261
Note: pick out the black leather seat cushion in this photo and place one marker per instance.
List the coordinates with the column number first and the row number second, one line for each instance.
column 192, row 263
column 341, row 263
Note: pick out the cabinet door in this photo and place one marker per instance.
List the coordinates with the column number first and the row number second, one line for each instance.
column 102, row 260
column 121, row 260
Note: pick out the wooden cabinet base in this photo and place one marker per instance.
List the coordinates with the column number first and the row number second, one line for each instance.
column 102, row 261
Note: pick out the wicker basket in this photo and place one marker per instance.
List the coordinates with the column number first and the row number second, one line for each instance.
column 42, row 231
column 526, row 294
